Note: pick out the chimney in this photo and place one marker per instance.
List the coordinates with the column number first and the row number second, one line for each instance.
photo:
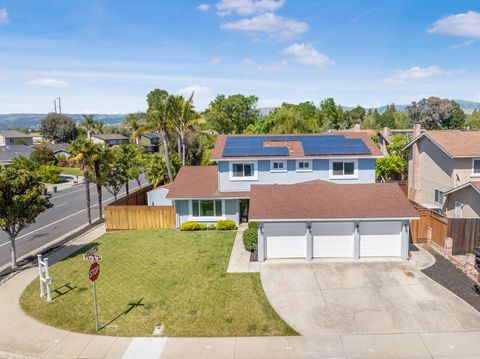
column 356, row 127
column 414, row 190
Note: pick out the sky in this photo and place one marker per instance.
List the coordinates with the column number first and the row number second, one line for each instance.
column 105, row 56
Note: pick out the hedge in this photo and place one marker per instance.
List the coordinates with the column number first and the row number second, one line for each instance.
column 193, row 226
column 226, row 225
column 250, row 237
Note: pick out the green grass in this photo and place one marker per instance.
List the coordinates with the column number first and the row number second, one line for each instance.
column 72, row 171
column 158, row 277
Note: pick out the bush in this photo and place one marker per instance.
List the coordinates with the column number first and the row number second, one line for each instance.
column 250, row 238
column 50, row 174
column 253, row 225
column 211, row 227
column 193, row 226
column 226, row 225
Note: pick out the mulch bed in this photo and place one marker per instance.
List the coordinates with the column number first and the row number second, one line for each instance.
column 449, row 276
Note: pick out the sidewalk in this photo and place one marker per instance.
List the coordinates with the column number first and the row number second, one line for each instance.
column 23, row 337
column 240, row 258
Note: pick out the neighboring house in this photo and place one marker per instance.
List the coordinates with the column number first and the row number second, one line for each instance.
column 12, row 137
column 8, row 153
column 443, row 169
column 312, row 195
column 37, row 138
column 158, row 196
column 150, row 141
column 60, row 149
column 111, row 139
column 386, row 134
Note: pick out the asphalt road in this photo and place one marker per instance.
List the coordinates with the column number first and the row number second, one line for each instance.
column 68, row 213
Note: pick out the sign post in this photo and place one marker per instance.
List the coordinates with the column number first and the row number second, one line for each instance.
column 44, row 277
column 93, row 274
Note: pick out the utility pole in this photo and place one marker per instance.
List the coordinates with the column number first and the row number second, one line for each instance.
column 60, row 105
column 55, row 105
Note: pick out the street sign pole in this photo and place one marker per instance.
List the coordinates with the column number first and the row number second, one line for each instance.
column 97, row 326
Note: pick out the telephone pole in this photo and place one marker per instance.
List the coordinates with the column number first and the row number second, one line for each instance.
column 55, row 105
column 59, row 105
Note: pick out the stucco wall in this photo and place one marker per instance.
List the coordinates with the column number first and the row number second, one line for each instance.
column 231, row 211
column 157, row 196
column 471, row 203
column 463, row 171
column 366, row 174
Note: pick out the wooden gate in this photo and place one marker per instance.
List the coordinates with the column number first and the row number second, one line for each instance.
column 431, row 226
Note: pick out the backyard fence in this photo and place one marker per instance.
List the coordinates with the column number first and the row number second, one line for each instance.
column 430, row 227
column 465, row 233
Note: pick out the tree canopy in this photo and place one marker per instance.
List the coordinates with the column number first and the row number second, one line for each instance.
column 58, row 128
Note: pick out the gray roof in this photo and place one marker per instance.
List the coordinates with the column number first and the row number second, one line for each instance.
column 151, row 135
column 8, row 153
column 109, row 136
column 14, row 134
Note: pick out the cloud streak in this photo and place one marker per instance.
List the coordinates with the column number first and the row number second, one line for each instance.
column 416, row 73
column 49, row 82
column 307, row 55
column 247, row 7
column 3, row 16
column 464, row 25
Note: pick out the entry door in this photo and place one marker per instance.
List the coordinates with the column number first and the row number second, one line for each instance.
column 286, row 240
column 380, row 239
column 333, row 239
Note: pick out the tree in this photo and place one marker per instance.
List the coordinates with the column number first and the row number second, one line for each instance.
column 88, row 123
column 82, row 150
column 472, row 121
column 157, row 169
column 357, row 114
column 115, row 171
column 21, row 201
column 436, row 113
column 387, row 118
column 131, row 159
column 389, row 166
column 301, row 118
column 135, row 124
column 457, row 118
column 158, row 117
column 330, row 114
column 98, row 162
column 43, row 155
column 58, row 128
column 232, row 114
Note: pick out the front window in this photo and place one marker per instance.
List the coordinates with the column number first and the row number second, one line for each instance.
column 343, row 169
column 304, row 165
column 207, row 208
column 476, row 167
column 278, row 166
column 438, row 196
column 243, row 170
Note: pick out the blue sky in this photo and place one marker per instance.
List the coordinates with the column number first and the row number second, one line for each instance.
column 105, row 56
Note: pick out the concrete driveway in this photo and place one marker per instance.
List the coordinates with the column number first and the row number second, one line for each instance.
column 363, row 297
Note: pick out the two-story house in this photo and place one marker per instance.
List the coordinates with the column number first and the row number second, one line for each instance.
column 150, row 141
column 312, row 195
column 444, row 171
column 111, row 139
column 12, row 137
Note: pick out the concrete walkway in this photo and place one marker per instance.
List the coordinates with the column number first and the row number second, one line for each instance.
column 240, row 258
column 23, row 337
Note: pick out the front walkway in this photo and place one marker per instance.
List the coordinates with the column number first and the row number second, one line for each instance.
column 240, row 258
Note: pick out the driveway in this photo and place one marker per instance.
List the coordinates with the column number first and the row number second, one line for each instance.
column 363, row 297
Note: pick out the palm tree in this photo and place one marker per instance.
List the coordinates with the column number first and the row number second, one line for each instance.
column 99, row 160
column 158, row 118
column 99, row 126
column 88, row 123
column 135, row 122
column 184, row 119
column 81, row 150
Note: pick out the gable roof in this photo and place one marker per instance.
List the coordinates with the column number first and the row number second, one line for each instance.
column 454, row 143
column 14, row 134
column 109, row 136
column 295, row 145
column 8, row 153
column 316, row 200
column 199, row 182
column 474, row 184
column 151, row 135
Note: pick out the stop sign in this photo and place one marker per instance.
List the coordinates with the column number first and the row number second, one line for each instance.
column 94, row 271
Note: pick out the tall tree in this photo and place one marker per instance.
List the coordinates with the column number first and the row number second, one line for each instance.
column 301, row 118
column 21, row 201
column 88, row 123
column 82, row 150
column 357, row 114
column 99, row 160
column 58, row 128
column 156, row 169
column 232, row 114
column 115, row 171
column 135, row 124
column 158, row 117
column 436, row 113
column 330, row 115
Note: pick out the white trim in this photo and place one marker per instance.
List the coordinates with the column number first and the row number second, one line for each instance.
column 247, row 159
column 431, row 139
column 461, row 187
column 310, row 166
column 251, row 178
column 278, row 170
column 355, row 169
column 191, row 217
column 473, row 168
column 335, row 219
column 203, row 198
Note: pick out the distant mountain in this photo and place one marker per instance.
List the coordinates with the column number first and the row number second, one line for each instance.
column 32, row 120
column 467, row 106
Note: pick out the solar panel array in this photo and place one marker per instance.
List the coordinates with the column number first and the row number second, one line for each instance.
column 312, row 145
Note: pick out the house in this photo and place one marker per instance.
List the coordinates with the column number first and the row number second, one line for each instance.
column 111, row 139
column 386, row 134
column 60, row 149
column 158, row 196
column 444, row 170
column 8, row 153
column 150, row 141
column 312, row 195
column 12, row 137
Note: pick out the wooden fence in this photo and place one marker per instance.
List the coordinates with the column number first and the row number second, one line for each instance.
column 431, row 226
column 139, row 217
column 465, row 233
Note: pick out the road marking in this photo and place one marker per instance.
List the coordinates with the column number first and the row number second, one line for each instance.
column 61, row 219
column 61, row 204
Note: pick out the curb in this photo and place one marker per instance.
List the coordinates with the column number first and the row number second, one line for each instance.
column 8, row 355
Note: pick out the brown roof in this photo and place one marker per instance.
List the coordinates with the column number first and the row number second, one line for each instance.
column 321, row 200
column 457, row 143
column 199, row 182
column 295, row 147
column 474, row 184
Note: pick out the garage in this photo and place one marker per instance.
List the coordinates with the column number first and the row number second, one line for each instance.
column 380, row 239
column 285, row 240
column 333, row 239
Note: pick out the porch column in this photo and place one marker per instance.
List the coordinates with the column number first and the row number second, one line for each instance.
column 356, row 240
column 261, row 243
column 309, row 242
column 405, row 239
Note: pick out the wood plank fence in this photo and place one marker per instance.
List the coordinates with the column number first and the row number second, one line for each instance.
column 431, row 226
column 465, row 233
column 139, row 217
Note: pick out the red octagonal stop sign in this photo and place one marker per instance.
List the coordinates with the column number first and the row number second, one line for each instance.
column 94, row 271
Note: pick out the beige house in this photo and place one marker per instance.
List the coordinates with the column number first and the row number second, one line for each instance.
column 12, row 137
column 444, row 169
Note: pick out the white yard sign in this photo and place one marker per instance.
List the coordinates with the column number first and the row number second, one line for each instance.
column 44, row 277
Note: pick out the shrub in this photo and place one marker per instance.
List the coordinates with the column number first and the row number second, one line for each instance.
column 193, row 226
column 226, row 225
column 211, row 227
column 50, row 174
column 253, row 225
column 250, row 237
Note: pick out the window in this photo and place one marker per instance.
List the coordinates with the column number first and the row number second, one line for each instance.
column 278, row 166
column 438, row 196
column 207, row 208
column 343, row 169
column 476, row 167
column 243, row 171
column 304, row 165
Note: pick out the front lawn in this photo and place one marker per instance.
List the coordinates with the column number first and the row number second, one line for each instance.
column 72, row 171
column 158, row 277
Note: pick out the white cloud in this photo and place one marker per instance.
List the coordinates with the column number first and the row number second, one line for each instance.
column 269, row 102
column 196, row 89
column 248, row 7
column 277, row 27
column 49, row 82
column 463, row 44
column 465, row 24
column 3, row 16
column 203, row 7
column 416, row 73
column 215, row 61
column 307, row 55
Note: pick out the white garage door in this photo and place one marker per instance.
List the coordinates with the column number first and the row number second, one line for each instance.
column 286, row 240
column 334, row 239
column 380, row 239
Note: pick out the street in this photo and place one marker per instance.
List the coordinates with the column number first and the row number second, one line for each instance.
column 68, row 212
